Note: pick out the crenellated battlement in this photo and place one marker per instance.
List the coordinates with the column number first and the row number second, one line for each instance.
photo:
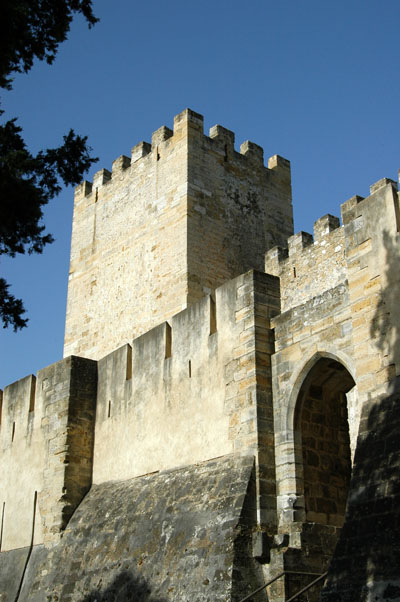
column 311, row 263
column 184, row 214
column 46, row 440
column 181, row 351
column 278, row 258
column 326, row 233
column 18, row 410
column 186, row 123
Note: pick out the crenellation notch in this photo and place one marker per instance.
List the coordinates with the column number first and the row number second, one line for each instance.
column 252, row 151
column 298, row 242
column 160, row 135
column 101, row 177
column 140, row 150
column 120, row 164
column 324, row 225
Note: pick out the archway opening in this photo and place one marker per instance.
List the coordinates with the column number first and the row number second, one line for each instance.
column 322, row 421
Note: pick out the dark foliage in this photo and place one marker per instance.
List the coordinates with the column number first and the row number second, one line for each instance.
column 33, row 29
column 29, row 30
column 11, row 309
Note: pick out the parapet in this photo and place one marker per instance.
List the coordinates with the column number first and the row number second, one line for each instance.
column 188, row 118
column 123, row 162
column 277, row 257
column 189, row 123
column 179, row 382
column 17, row 410
column 160, row 135
column 140, row 150
column 309, row 265
column 46, row 442
column 350, row 209
column 380, row 184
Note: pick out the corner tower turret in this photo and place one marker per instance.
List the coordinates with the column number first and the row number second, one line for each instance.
column 179, row 218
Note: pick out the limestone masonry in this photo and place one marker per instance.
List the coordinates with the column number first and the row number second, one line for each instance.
column 227, row 410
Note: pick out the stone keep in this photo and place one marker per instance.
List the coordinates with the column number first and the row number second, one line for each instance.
column 227, row 411
column 167, row 227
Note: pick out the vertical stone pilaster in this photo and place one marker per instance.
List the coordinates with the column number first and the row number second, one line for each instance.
column 266, row 306
column 373, row 274
column 68, row 389
column 257, row 300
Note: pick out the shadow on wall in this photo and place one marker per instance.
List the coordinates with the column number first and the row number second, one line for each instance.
column 124, row 588
column 385, row 327
column 367, row 558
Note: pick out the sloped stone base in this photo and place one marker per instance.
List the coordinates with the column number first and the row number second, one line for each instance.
column 177, row 535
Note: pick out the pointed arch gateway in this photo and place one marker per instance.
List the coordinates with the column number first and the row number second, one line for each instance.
column 321, row 425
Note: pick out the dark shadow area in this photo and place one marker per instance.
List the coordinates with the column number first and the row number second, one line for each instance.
column 321, row 421
column 385, row 326
column 366, row 564
column 323, row 458
column 125, row 587
column 247, row 574
column 368, row 553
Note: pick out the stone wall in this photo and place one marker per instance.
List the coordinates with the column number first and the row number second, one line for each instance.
column 182, row 535
column 338, row 292
column 373, row 255
column 233, row 406
column 46, row 451
column 167, row 226
column 22, row 459
column 308, row 266
column 236, row 208
column 196, row 387
column 128, row 249
column 366, row 560
column 340, row 342
column 320, row 328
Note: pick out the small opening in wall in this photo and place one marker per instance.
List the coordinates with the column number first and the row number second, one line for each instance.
column 226, row 152
column 213, row 315
column 13, row 432
column 33, row 518
column 2, row 524
column 397, row 212
column 109, row 409
column 190, row 368
column 129, row 363
column 158, row 154
column 32, row 395
column 96, row 196
column 168, row 340
column 294, row 272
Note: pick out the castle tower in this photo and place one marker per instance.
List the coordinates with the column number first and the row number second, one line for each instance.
column 182, row 216
column 235, row 422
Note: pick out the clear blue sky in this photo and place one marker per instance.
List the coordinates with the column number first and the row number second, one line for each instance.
column 315, row 81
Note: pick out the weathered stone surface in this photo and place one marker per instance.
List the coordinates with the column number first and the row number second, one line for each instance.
column 188, row 214
column 290, row 375
column 69, row 389
column 211, row 389
column 46, row 440
column 12, row 566
column 181, row 535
